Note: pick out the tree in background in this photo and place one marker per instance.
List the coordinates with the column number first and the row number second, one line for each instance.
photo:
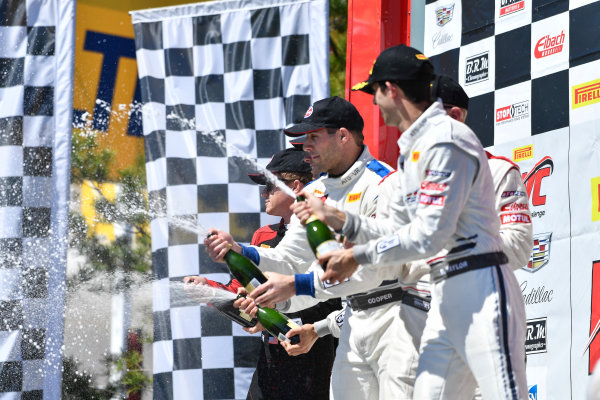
column 338, row 27
column 127, row 256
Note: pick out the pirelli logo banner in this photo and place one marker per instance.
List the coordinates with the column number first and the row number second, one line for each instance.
column 523, row 153
column 586, row 94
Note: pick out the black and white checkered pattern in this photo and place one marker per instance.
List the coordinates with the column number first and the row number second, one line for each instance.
column 241, row 70
column 532, row 71
column 35, row 117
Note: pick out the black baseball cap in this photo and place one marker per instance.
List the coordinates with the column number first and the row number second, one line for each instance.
column 398, row 63
column 298, row 142
column 331, row 112
column 450, row 91
column 288, row 160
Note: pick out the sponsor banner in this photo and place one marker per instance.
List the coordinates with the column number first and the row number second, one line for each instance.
column 512, row 14
column 535, row 336
column 540, row 254
column 584, row 93
column 522, row 153
column 512, row 116
column 543, row 162
column 476, row 72
column 443, row 26
column 550, row 45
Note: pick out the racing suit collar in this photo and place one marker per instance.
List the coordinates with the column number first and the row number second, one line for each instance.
column 408, row 137
column 355, row 169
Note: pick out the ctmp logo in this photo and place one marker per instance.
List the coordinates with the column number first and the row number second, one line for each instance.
column 533, row 180
column 444, row 14
column 513, row 112
column 549, row 45
column 511, row 6
column 523, row 153
column 540, row 255
column 477, row 68
column 586, row 94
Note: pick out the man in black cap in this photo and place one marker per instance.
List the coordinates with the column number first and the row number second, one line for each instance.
column 444, row 212
column 349, row 181
column 277, row 374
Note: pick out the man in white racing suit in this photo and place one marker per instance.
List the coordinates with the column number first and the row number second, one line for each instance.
column 475, row 328
column 515, row 230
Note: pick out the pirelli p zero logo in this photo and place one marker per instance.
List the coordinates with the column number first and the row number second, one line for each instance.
column 513, row 112
column 586, row 94
column 549, row 45
column 477, row 68
column 523, row 153
column 352, row 197
column 511, row 6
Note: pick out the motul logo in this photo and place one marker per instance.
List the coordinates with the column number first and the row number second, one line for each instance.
column 431, row 200
column 549, row 45
column 511, row 6
column 513, row 112
column 515, row 219
column 533, row 180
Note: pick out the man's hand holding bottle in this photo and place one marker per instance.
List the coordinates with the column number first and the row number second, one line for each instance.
column 218, row 244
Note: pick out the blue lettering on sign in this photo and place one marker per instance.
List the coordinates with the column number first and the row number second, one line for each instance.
column 532, row 392
column 112, row 48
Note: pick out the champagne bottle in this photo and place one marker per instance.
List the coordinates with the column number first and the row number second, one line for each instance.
column 244, row 270
column 277, row 324
column 227, row 309
column 320, row 238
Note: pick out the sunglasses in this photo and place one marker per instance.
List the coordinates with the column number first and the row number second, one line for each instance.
column 270, row 187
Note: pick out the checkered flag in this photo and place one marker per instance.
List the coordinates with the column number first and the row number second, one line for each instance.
column 219, row 82
column 36, row 86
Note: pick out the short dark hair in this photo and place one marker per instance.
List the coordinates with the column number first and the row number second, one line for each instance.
column 358, row 136
column 416, row 91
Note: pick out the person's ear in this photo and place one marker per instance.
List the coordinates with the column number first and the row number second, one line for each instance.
column 344, row 134
column 455, row 112
column 297, row 186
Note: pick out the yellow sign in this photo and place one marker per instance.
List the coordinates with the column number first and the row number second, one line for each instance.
column 416, row 155
column 90, row 192
column 523, row 153
column 586, row 94
column 595, row 199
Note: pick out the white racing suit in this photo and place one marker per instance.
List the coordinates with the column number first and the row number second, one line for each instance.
column 378, row 351
column 475, row 329
column 355, row 191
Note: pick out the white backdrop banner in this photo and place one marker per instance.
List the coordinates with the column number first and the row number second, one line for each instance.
column 532, row 71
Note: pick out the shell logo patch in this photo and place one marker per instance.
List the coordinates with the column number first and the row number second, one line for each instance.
column 352, row 197
column 415, row 156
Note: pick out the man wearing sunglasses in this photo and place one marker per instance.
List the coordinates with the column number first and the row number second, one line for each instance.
column 276, row 375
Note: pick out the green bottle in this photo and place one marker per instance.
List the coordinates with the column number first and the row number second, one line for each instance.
column 320, row 238
column 244, row 270
column 277, row 324
column 234, row 314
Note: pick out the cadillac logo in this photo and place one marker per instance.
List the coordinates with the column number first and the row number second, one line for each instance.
column 541, row 252
column 444, row 14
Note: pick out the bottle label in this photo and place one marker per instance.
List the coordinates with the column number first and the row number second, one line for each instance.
column 253, row 284
column 327, row 246
column 245, row 316
column 282, row 337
